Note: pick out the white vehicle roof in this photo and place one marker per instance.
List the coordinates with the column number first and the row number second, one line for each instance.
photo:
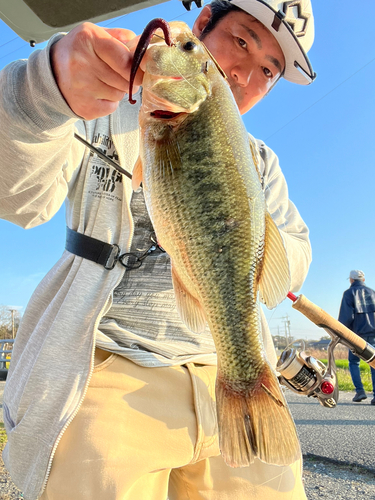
column 37, row 20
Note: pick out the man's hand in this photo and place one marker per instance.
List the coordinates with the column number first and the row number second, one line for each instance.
column 92, row 67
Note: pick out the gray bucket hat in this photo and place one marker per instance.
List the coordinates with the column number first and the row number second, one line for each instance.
column 292, row 24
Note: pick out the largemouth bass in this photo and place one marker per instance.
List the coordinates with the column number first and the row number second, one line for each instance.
column 206, row 202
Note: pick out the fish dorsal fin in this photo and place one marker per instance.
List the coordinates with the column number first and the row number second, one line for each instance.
column 274, row 281
column 188, row 307
column 137, row 175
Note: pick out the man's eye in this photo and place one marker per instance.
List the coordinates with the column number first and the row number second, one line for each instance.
column 267, row 72
column 242, row 43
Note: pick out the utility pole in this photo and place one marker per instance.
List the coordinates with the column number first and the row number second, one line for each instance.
column 12, row 311
column 287, row 328
column 278, row 337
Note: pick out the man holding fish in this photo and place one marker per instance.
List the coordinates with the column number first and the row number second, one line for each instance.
column 111, row 390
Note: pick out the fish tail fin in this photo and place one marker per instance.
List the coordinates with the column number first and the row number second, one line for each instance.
column 256, row 423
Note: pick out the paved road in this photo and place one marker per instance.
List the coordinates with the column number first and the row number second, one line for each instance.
column 345, row 433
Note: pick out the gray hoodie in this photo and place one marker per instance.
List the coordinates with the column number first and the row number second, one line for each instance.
column 42, row 165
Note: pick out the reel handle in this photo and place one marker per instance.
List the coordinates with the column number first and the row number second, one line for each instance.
column 322, row 319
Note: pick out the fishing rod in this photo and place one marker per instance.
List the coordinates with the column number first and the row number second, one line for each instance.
column 308, row 376
column 103, row 156
column 300, row 372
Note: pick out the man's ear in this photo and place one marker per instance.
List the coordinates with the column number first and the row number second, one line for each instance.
column 202, row 20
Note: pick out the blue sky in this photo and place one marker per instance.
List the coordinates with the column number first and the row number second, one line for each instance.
column 323, row 135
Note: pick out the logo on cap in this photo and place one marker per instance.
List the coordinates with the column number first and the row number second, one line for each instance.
column 292, row 19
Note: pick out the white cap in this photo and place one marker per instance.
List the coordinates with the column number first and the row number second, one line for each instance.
column 357, row 275
column 292, row 24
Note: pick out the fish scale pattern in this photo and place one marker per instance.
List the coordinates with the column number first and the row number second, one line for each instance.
column 199, row 200
column 206, row 203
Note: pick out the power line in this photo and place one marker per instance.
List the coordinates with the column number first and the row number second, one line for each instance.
column 323, row 97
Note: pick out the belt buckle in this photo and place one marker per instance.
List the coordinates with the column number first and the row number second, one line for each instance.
column 113, row 257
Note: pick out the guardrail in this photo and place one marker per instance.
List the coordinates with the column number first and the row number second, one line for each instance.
column 6, row 347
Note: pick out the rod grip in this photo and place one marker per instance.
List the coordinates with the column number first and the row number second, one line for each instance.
column 322, row 319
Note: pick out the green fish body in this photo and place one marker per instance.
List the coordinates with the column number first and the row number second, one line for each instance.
column 208, row 208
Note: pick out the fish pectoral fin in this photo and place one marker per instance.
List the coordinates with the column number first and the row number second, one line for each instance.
column 274, row 283
column 170, row 157
column 188, row 307
column 255, row 423
column 137, row 175
column 255, row 160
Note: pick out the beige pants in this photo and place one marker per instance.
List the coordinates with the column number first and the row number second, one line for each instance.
column 149, row 434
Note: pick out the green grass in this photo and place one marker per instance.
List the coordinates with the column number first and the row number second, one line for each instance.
column 344, row 363
column 344, row 378
column 3, row 437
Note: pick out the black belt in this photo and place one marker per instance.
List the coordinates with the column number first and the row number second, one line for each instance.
column 92, row 249
column 105, row 254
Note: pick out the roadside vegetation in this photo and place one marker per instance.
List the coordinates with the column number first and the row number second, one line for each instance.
column 343, row 374
column 3, row 437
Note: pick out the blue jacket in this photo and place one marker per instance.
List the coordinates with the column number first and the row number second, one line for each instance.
column 357, row 310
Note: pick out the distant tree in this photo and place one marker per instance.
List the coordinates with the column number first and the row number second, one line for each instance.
column 6, row 321
column 325, row 337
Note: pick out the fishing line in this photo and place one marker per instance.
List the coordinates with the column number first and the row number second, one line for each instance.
column 323, row 97
column 183, row 14
column 159, row 36
column 26, row 44
column 12, row 40
column 105, row 25
column 183, row 77
column 267, row 188
column 115, row 20
column 15, row 50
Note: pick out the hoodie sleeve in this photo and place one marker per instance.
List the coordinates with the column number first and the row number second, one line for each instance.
column 293, row 229
column 39, row 154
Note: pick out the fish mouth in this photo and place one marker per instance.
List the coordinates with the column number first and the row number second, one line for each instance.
column 161, row 114
column 143, row 43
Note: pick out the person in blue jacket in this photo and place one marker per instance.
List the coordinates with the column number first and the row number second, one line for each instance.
column 357, row 312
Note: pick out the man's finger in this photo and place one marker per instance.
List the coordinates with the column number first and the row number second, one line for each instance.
column 121, row 34
column 132, row 43
column 117, row 55
column 106, row 74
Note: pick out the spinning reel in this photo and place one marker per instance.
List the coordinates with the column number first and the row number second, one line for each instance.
column 306, row 375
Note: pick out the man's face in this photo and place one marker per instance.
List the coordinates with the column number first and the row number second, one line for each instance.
column 247, row 52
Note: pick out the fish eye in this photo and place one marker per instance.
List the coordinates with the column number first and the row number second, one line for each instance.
column 189, row 45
